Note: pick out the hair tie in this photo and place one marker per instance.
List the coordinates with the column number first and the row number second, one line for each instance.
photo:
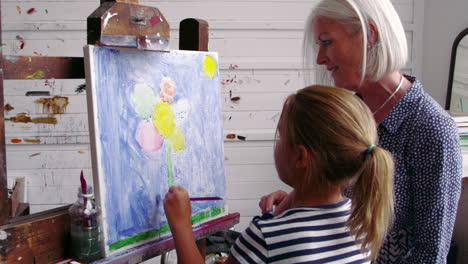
column 370, row 148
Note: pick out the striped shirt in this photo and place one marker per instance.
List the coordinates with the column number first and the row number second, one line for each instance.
column 314, row 234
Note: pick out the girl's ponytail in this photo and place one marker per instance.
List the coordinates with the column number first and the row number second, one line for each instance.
column 372, row 200
column 339, row 131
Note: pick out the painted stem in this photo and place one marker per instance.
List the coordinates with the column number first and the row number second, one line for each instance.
column 169, row 164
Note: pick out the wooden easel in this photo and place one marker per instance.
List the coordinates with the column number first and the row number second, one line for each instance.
column 44, row 237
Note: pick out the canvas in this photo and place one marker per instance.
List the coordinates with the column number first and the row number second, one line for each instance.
column 155, row 121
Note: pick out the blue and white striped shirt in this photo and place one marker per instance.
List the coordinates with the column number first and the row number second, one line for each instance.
column 315, row 234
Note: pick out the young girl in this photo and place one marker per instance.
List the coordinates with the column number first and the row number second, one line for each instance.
column 327, row 141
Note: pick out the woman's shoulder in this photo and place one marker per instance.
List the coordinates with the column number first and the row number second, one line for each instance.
column 433, row 126
column 431, row 116
column 425, row 112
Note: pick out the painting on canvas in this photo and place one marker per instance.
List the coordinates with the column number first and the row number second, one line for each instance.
column 155, row 121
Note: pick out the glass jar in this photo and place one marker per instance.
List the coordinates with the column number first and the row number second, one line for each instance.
column 85, row 230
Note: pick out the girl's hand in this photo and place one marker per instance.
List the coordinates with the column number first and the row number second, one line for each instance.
column 275, row 198
column 285, row 204
column 177, row 207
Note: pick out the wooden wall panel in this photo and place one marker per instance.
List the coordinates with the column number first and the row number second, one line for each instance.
column 39, row 242
column 178, row 10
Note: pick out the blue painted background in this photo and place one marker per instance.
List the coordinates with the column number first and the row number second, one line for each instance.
column 133, row 181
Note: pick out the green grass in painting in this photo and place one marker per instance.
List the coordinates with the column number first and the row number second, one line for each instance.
column 195, row 219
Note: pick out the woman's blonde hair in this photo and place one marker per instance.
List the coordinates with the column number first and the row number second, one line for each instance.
column 337, row 129
column 388, row 54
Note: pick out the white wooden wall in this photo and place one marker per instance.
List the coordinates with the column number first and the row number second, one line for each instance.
column 259, row 43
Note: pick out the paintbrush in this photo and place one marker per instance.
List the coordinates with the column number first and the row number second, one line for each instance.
column 83, row 188
column 205, row 198
column 89, row 221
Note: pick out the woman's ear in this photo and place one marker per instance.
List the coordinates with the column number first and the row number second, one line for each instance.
column 302, row 157
column 373, row 35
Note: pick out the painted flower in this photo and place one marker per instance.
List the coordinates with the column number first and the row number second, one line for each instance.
column 158, row 118
column 167, row 90
column 148, row 138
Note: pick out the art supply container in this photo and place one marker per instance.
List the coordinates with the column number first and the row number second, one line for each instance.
column 85, row 230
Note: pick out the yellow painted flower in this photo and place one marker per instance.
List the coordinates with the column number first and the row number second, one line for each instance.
column 177, row 140
column 163, row 119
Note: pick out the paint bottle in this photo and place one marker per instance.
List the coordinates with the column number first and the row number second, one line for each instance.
column 85, row 231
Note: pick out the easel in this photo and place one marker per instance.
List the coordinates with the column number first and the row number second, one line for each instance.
column 44, row 237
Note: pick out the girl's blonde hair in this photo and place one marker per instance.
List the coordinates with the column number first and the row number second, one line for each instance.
column 337, row 129
column 389, row 53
